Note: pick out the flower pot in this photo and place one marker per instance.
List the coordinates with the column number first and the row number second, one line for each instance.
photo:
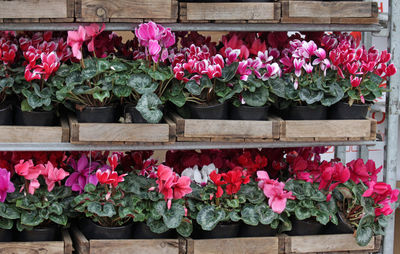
column 314, row 112
column 305, row 227
column 97, row 114
column 6, row 114
column 93, row 231
column 343, row 227
column 136, row 117
column 205, row 111
column 220, row 231
column 256, row 231
column 343, row 110
column 142, row 231
column 6, row 235
column 35, row 118
column 38, row 234
column 244, row 112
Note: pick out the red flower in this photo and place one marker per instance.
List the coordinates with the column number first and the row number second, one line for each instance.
column 109, row 177
column 216, row 178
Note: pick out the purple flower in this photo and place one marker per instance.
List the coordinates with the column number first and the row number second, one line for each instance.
column 85, row 173
column 6, row 186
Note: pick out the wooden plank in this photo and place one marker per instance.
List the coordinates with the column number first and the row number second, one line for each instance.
column 73, row 128
column 94, row 9
column 64, row 128
column 161, row 246
column 30, row 134
column 81, row 244
column 325, row 243
column 254, row 245
column 232, row 128
column 172, row 128
column 185, row 139
column 327, row 128
column 230, row 11
column 54, row 247
column 180, row 123
column 338, row 9
column 34, row 9
column 68, row 249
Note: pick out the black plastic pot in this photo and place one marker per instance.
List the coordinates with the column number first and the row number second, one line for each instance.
column 6, row 235
column 135, row 114
column 142, row 231
column 244, row 112
column 105, row 114
column 343, row 227
column 204, row 111
column 6, row 114
column 220, row 231
column 306, row 227
column 34, row 118
column 93, row 231
column 39, row 234
column 256, row 231
column 314, row 112
column 343, row 110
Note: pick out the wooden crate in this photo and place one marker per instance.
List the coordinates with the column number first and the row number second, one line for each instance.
column 225, row 130
column 243, row 245
column 28, row 11
column 64, row 246
column 333, row 12
column 132, row 11
column 35, row 134
column 121, row 133
column 132, row 246
column 343, row 243
column 229, row 12
column 327, row 130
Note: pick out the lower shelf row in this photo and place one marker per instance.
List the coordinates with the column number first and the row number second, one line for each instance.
column 76, row 241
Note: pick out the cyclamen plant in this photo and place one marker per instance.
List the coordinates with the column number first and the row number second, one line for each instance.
column 8, row 54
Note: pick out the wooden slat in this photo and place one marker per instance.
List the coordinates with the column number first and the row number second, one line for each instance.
column 30, row 134
column 68, row 249
column 172, row 128
column 326, row 129
column 325, row 244
column 34, row 9
column 338, row 9
column 230, row 11
column 55, row 247
column 164, row 246
column 94, row 9
column 81, row 244
column 256, row 245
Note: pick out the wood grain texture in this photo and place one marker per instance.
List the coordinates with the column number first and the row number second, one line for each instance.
column 81, row 244
column 68, row 248
column 56, row 247
column 256, row 245
column 30, row 134
column 337, row 9
column 95, row 9
column 35, row 9
column 326, row 129
column 230, row 11
column 164, row 246
column 325, row 244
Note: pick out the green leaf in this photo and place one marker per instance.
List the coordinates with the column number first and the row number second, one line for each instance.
column 208, row 217
column 302, row 213
column 249, row 215
column 6, row 223
column 101, row 95
column 265, row 214
column 31, row 218
column 75, row 78
column 364, row 235
column 6, row 82
column 278, row 87
column 156, row 226
column 56, row 208
column 185, row 229
column 63, row 71
column 148, row 106
column 118, row 66
column 102, row 65
column 142, row 83
column 159, row 75
column 258, row 98
column 106, row 210
column 88, row 73
column 376, row 79
column 193, row 87
column 59, row 219
column 228, row 72
column 322, row 217
column 234, row 216
column 336, row 93
column 122, row 91
column 233, row 203
column 310, row 97
column 90, row 187
column 173, row 217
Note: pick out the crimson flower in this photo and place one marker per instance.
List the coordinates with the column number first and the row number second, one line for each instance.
column 216, row 178
column 109, row 177
column 92, row 31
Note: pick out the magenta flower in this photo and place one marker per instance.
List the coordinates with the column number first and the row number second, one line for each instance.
column 6, row 186
column 75, row 40
column 85, row 173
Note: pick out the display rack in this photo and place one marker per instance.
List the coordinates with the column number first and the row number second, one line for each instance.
column 392, row 101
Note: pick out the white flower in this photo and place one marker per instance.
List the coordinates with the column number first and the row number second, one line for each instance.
column 201, row 177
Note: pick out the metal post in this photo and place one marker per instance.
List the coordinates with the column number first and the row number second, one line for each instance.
column 392, row 114
column 340, row 152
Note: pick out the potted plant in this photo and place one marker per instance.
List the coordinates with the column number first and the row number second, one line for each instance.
column 37, row 95
column 308, row 88
column 42, row 210
column 160, row 208
column 8, row 54
column 205, row 78
column 8, row 211
column 361, row 73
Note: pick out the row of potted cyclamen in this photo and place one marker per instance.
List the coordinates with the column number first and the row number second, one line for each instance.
column 207, row 194
column 92, row 70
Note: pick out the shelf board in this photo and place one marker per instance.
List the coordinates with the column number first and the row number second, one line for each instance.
column 172, row 146
column 199, row 27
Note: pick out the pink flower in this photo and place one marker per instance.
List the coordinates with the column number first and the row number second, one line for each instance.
column 298, row 64
column 308, row 68
column 6, row 186
column 50, row 64
column 92, row 31
column 33, row 186
column 232, row 55
column 109, row 177
column 28, row 170
column 52, row 175
column 75, row 41
column 355, row 81
column 182, row 187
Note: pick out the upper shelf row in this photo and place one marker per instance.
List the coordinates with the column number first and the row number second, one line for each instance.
column 286, row 15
